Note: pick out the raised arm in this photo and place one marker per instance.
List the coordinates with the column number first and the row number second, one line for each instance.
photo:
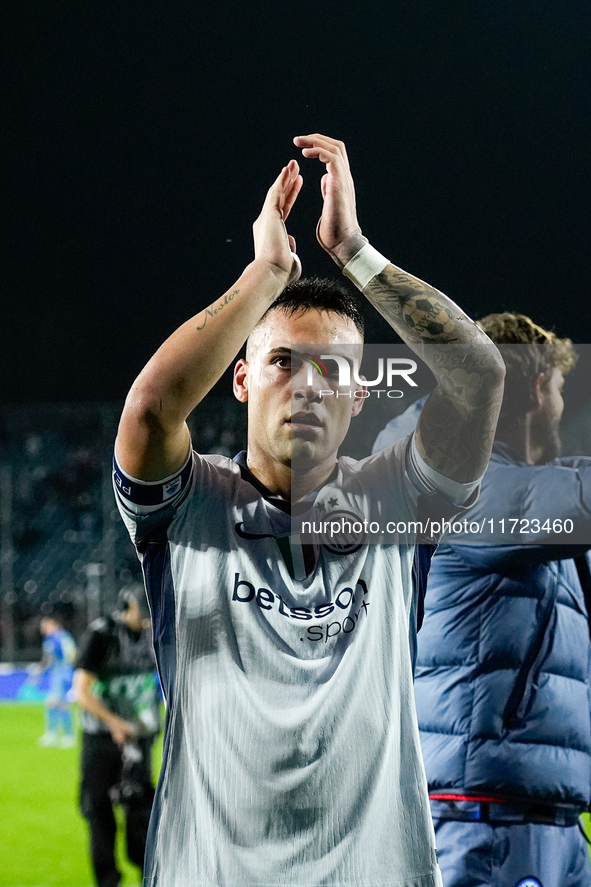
column 153, row 438
column 456, row 428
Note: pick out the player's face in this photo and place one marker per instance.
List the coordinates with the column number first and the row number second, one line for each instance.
column 296, row 416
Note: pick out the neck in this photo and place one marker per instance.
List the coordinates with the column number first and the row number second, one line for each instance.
column 281, row 480
column 518, row 437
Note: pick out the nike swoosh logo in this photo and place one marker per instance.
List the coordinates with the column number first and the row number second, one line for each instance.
column 244, row 535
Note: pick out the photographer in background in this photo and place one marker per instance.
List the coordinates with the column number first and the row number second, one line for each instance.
column 116, row 687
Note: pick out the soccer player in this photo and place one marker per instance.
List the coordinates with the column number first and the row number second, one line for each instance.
column 59, row 652
column 291, row 753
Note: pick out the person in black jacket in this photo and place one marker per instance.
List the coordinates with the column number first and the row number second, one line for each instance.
column 117, row 690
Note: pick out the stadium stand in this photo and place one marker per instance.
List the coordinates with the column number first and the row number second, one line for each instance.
column 63, row 547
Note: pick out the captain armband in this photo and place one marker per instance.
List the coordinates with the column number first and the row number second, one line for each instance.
column 143, row 497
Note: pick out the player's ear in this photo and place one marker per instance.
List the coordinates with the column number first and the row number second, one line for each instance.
column 361, row 393
column 537, row 391
column 241, row 380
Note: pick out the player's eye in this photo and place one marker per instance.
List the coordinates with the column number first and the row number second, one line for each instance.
column 283, row 361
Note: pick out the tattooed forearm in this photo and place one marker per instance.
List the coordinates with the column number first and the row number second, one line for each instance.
column 417, row 311
column 457, row 424
column 210, row 312
column 457, row 441
column 459, row 353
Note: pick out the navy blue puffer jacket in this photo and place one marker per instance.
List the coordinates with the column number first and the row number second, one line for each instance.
column 503, row 675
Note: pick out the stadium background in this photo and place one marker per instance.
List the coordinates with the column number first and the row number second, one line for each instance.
column 139, row 140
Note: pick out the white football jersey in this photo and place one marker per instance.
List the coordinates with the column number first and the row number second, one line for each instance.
column 291, row 755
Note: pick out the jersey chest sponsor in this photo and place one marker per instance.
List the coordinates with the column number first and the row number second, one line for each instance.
column 347, row 607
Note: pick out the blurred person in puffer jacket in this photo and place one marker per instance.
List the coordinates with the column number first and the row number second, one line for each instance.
column 503, row 671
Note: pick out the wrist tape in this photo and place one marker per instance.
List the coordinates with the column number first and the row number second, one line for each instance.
column 365, row 265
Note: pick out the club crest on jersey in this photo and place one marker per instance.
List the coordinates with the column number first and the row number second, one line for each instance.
column 340, row 532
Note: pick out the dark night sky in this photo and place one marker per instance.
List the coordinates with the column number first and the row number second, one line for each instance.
column 140, row 139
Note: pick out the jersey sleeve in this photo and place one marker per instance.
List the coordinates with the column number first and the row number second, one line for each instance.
column 401, row 478
column 149, row 506
column 428, row 480
column 404, row 501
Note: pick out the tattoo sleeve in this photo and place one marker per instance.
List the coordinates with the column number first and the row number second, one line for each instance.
column 457, row 424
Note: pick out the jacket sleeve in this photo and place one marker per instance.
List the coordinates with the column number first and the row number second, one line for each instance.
column 527, row 514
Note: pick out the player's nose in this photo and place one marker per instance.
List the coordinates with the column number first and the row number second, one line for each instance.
column 307, row 383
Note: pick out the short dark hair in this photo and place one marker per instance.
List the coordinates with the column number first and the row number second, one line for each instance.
column 321, row 294
column 545, row 351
